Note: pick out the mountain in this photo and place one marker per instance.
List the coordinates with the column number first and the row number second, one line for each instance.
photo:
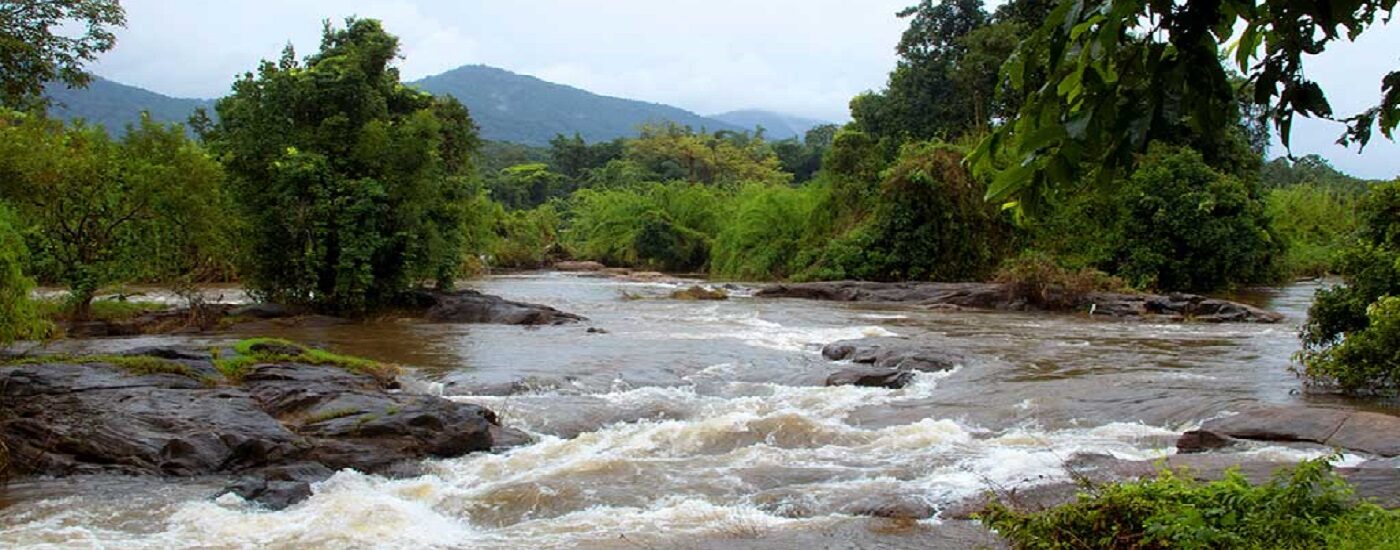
column 776, row 126
column 506, row 106
column 114, row 105
column 525, row 109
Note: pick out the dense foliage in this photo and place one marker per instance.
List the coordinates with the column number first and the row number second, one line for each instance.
column 19, row 318
column 99, row 211
column 1307, row 507
column 1102, row 79
column 1350, row 337
column 352, row 185
column 38, row 45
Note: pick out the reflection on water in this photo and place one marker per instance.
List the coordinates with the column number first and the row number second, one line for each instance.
column 706, row 425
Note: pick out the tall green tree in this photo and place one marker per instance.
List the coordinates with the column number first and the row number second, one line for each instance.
column 354, row 187
column 35, row 50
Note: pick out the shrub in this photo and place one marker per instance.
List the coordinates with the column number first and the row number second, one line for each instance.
column 665, row 226
column 1187, row 227
column 930, row 222
column 19, row 317
column 1036, row 278
column 1367, row 360
column 1303, row 508
column 768, row 227
column 527, row 238
column 1314, row 223
column 1370, row 270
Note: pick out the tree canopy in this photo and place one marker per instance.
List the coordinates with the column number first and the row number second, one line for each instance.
column 33, row 53
column 353, row 185
column 1103, row 78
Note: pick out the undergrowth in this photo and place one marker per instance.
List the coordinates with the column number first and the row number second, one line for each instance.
column 1308, row 506
column 1040, row 281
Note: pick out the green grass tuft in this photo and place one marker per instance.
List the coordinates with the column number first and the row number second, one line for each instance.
column 102, row 310
column 254, row 351
column 331, row 415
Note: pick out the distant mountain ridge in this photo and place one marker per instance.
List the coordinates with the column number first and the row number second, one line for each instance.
column 506, row 106
column 776, row 126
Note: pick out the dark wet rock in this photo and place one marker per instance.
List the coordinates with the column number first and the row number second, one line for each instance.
column 997, row 296
column 1367, row 432
column 871, row 377
column 504, row 439
column 278, row 487
column 284, row 426
column 893, row 353
column 469, row 306
column 596, row 330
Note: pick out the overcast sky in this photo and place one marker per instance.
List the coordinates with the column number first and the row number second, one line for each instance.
column 803, row 57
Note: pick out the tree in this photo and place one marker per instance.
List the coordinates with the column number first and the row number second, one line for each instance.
column 526, row 186
column 671, row 152
column 1103, row 78
column 354, row 187
column 100, row 211
column 19, row 319
column 34, row 51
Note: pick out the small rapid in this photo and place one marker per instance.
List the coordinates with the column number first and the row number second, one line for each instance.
column 708, row 425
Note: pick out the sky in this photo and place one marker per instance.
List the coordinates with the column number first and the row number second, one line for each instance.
column 801, row 57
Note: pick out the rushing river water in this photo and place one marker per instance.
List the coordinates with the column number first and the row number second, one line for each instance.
column 706, row 425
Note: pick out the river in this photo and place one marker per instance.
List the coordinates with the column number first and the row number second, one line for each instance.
column 706, row 425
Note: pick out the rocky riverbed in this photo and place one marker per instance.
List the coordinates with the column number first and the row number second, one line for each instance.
column 750, row 422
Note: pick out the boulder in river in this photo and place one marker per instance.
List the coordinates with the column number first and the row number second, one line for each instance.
column 281, row 423
column 698, row 292
column 1366, row 432
column 886, row 362
column 578, row 266
column 470, row 306
column 999, row 296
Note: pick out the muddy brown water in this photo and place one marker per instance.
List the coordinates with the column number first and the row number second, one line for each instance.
column 705, row 425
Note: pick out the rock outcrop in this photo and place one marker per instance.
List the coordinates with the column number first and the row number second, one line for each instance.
column 470, row 306
column 173, row 413
column 886, row 362
column 997, row 296
column 1361, row 431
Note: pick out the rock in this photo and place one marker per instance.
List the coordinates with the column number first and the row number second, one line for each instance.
column 871, row 377
column 893, row 353
column 287, row 425
column 504, row 439
column 891, row 508
column 1366, row 432
column 277, row 488
column 579, row 266
column 698, row 292
column 997, row 296
column 469, row 306
column 266, row 311
column 596, row 330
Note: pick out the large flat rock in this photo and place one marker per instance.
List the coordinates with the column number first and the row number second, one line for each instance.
column 1360, row 431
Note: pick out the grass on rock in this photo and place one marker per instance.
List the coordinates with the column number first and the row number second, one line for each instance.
column 259, row 351
column 136, row 365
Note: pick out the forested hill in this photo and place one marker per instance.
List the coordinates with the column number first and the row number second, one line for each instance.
column 776, row 126
column 525, row 109
column 507, row 107
column 115, row 105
